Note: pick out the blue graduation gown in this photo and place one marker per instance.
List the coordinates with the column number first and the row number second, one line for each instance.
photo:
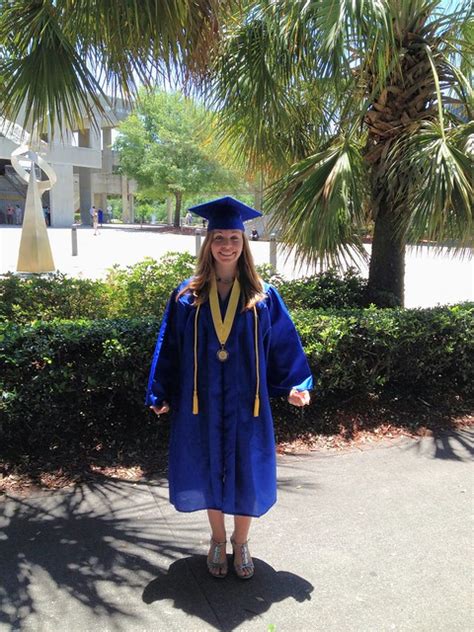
column 224, row 458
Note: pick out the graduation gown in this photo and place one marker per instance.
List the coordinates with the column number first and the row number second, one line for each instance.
column 223, row 457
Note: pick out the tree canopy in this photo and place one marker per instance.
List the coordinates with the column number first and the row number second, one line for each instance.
column 169, row 147
column 357, row 111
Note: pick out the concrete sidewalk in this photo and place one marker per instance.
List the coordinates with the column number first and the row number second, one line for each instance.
column 367, row 541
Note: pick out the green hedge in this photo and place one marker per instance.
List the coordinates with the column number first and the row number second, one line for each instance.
column 25, row 299
column 328, row 289
column 76, row 384
column 143, row 289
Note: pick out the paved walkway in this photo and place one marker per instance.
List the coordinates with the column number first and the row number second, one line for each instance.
column 378, row 540
column 431, row 277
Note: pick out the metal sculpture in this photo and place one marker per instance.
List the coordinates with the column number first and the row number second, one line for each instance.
column 35, row 251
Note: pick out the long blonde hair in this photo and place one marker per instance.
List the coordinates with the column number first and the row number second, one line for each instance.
column 251, row 283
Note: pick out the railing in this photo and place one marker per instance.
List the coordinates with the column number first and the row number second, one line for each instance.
column 13, row 131
column 14, row 179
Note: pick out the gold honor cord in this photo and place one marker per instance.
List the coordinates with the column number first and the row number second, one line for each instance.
column 223, row 327
column 195, row 388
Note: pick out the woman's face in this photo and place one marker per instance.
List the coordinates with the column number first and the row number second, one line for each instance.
column 226, row 246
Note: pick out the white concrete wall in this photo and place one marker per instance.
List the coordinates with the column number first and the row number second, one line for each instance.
column 6, row 148
column 61, row 197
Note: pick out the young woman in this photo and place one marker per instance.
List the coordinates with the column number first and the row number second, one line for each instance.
column 226, row 345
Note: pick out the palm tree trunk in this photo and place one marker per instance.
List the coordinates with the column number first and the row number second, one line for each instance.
column 177, row 210
column 387, row 262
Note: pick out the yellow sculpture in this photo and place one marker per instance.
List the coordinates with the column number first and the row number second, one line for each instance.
column 35, row 252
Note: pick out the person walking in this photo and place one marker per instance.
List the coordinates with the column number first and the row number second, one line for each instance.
column 225, row 346
column 95, row 221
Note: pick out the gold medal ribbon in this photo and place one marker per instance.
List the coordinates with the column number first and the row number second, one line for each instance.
column 223, row 327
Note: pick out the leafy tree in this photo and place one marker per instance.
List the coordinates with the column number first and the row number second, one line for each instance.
column 167, row 145
column 56, row 56
column 357, row 110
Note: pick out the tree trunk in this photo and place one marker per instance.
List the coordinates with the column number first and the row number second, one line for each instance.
column 386, row 286
column 177, row 210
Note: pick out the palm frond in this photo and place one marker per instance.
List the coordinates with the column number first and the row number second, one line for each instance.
column 45, row 77
column 59, row 57
column 319, row 204
column 440, row 194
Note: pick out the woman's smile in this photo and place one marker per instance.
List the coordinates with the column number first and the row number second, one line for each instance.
column 227, row 245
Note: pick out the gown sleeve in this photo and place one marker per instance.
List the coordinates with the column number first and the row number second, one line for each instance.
column 165, row 364
column 287, row 366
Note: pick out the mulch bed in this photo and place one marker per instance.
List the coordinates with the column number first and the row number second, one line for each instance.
column 357, row 423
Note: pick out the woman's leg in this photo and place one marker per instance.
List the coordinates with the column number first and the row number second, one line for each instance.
column 241, row 528
column 240, row 536
column 217, row 524
column 216, row 520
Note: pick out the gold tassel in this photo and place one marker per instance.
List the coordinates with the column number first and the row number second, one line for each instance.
column 256, row 406
column 195, row 403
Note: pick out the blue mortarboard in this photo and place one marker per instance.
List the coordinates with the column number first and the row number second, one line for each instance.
column 225, row 213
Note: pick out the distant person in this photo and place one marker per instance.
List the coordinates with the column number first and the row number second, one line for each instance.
column 18, row 215
column 108, row 214
column 100, row 216
column 95, row 221
column 189, row 218
column 92, row 211
column 47, row 215
column 254, row 236
column 10, row 214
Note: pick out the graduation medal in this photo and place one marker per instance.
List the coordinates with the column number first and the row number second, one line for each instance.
column 222, row 354
column 223, row 327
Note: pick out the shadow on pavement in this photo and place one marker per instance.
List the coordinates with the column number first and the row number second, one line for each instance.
column 454, row 446
column 233, row 601
column 65, row 547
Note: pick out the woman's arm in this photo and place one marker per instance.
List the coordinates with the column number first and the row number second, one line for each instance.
column 164, row 370
column 288, row 373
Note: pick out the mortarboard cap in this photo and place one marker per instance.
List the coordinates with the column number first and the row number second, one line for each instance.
column 225, row 213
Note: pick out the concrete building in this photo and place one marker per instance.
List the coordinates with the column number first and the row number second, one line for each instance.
column 85, row 165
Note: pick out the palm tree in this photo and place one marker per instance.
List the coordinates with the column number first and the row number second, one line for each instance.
column 357, row 111
column 58, row 58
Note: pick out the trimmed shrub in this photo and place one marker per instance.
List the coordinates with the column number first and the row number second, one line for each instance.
column 144, row 288
column 366, row 350
column 25, row 299
column 78, row 384
column 326, row 290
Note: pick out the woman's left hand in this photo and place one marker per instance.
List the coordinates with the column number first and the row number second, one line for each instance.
column 298, row 398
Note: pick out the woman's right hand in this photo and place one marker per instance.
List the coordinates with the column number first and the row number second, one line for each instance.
column 161, row 410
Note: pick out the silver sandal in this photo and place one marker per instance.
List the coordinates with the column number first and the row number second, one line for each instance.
column 246, row 560
column 214, row 563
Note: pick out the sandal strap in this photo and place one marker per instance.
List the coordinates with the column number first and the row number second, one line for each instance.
column 244, row 554
column 215, row 560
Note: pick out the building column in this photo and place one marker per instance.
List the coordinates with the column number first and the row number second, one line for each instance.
column 107, row 154
column 85, row 194
column 125, row 207
column 61, row 197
